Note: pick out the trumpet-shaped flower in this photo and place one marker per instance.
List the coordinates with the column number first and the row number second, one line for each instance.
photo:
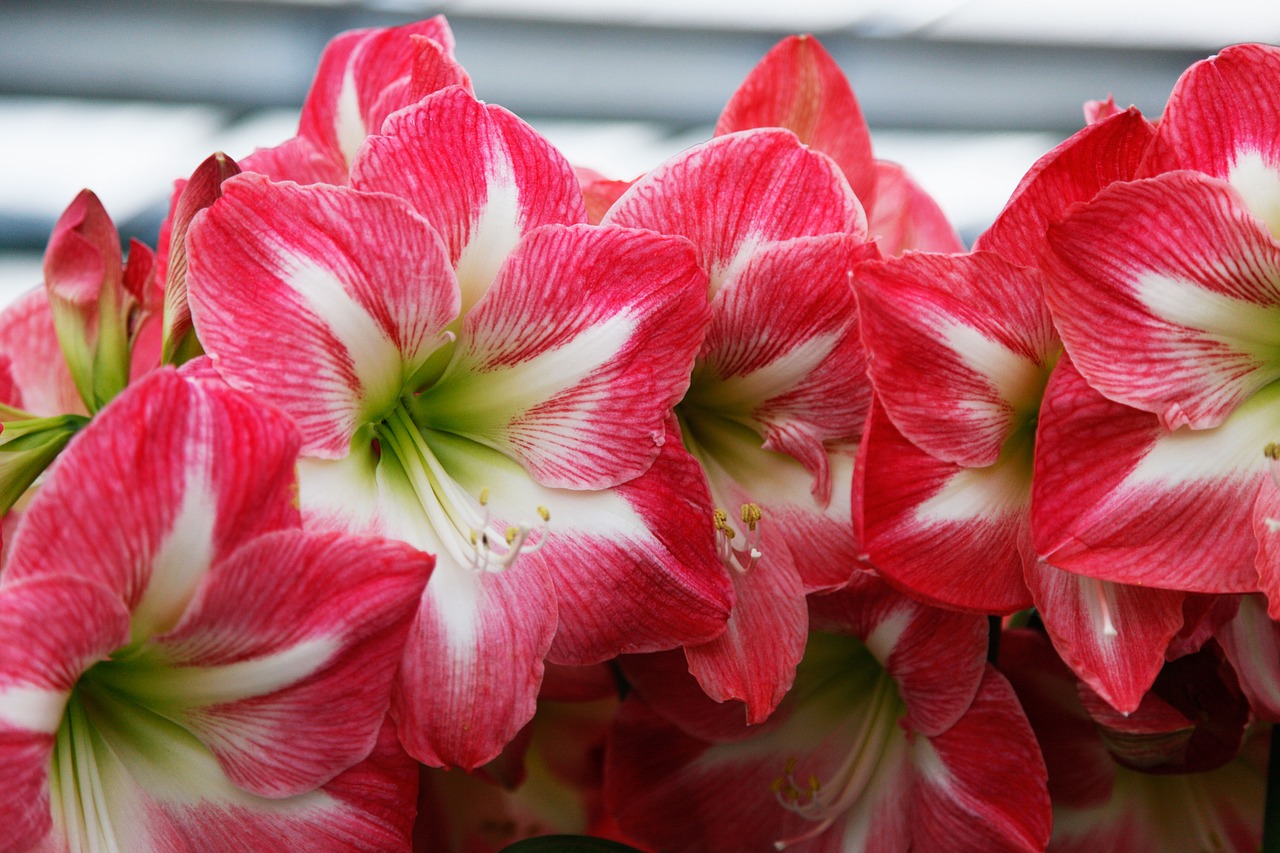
column 183, row 667
column 1164, row 291
column 778, row 394
column 475, row 373
column 897, row 736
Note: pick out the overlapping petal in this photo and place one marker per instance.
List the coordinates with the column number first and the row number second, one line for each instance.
column 482, row 178
column 322, row 300
column 364, row 76
column 1221, row 120
column 776, row 187
column 958, row 349
column 904, row 217
column 42, row 384
column 1104, row 152
column 799, row 86
column 1118, row 497
column 571, row 360
column 38, row 669
column 951, row 535
column 1166, row 296
column 208, row 471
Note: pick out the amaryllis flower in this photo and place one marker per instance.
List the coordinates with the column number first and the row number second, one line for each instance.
column 896, row 736
column 181, row 666
column 1172, row 777
column 362, row 78
column 778, row 395
column 1163, row 289
column 960, row 351
column 475, row 373
column 799, row 86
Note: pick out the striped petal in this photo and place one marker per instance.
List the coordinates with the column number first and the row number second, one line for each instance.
column 1251, row 641
column 1167, row 296
column 1113, row 636
column 797, row 375
column 167, row 481
column 958, row 349
column 321, row 300
column 572, row 360
column 482, row 177
column 1074, row 171
column 1221, row 119
column 634, row 567
column 950, row 535
column 51, row 630
column 472, row 663
column 777, row 188
column 1118, row 497
column 363, row 76
column 800, row 87
column 42, row 384
column 963, row 797
column 282, row 663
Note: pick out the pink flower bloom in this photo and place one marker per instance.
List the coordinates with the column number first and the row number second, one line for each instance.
column 778, row 394
column 1163, row 289
column 896, row 736
column 798, row 86
column 182, row 666
column 478, row 374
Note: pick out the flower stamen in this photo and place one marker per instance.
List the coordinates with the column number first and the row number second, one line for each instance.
column 740, row 559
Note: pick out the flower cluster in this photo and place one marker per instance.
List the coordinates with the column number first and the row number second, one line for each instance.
column 423, row 492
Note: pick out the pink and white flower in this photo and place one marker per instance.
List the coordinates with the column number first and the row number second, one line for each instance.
column 478, row 373
column 183, row 667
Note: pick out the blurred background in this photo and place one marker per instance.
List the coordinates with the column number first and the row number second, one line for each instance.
column 124, row 97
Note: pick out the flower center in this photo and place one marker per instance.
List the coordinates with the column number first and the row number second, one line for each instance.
column 871, row 731
column 463, row 523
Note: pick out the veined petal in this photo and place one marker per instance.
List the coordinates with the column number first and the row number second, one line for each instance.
column 283, row 662
column 1167, row 295
column 1266, row 530
column 905, row 217
column 798, row 374
column 472, row 663
column 299, row 160
column 950, row 535
column 958, row 348
column 51, row 630
column 818, row 535
column 42, row 382
column 166, row 481
column 482, row 177
column 363, row 76
column 936, row 657
column 572, row 360
column 963, row 799
column 1113, row 636
column 777, row 188
column 1118, row 497
column 754, row 660
column 1095, row 156
column 434, row 68
column 634, row 566
column 322, row 300
column 798, row 86
column 1221, row 120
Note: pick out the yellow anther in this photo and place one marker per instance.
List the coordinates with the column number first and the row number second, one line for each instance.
column 751, row 514
column 484, row 497
column 791, row 766
column 512, row 533
column 814, row 785
column 776, row 784
column 721, row 518
column 544, row 513
column 1271, row 451
column 474, row 538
